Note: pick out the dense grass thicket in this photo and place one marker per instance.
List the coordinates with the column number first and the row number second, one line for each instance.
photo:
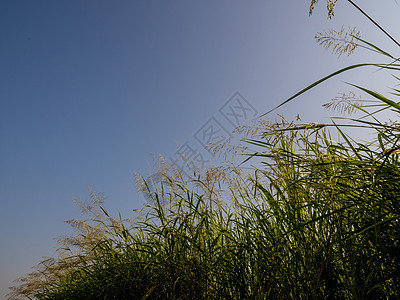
column 316, row 216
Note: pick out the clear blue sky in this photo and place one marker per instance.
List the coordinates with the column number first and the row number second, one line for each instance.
column 89, row 88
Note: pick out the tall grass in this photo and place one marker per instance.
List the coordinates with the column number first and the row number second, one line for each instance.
column 315, row 217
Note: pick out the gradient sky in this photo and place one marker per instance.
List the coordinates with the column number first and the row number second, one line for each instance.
column 88, row 89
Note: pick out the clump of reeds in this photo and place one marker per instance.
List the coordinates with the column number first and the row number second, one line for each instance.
column 315, row 219
column 311, row 218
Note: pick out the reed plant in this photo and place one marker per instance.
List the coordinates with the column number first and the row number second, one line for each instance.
column 316, row 216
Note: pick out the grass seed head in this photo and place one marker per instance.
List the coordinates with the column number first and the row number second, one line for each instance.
column 340, row 41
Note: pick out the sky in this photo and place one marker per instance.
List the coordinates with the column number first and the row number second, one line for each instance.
column 89, row 89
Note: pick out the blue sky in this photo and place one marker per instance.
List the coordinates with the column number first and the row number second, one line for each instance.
column 88, row 89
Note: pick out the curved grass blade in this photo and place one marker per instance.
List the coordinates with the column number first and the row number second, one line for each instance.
column 396, row 67
column 379, row 97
